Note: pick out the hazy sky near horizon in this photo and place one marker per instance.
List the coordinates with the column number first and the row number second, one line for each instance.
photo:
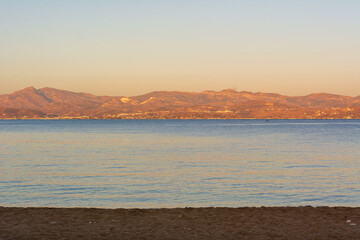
column 110, row 47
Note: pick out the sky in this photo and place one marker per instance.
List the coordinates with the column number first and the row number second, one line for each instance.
column 114, row 47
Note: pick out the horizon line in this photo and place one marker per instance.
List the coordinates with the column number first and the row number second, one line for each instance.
column 203, row 91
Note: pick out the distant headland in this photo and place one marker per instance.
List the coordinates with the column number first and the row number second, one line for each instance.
column 50, row 103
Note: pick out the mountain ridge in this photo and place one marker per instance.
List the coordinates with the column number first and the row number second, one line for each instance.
column 228, row 103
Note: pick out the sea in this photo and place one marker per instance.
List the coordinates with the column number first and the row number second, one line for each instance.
column 179, row 163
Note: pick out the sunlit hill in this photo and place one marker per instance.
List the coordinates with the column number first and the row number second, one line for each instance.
column 226, row 104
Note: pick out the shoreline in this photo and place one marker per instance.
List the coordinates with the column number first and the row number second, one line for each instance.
column 303, row 222
column 180, row 119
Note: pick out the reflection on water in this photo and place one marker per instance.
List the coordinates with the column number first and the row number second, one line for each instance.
column 177, row 163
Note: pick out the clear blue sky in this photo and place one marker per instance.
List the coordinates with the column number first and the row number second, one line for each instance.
column 110, row 47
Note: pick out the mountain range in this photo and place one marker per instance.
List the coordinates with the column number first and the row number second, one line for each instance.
column 54, row 103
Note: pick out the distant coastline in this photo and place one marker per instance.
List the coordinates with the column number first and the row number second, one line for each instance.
column 50, row 103
column 86, row 118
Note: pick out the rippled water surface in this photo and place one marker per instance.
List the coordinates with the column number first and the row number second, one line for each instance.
column 178, row 163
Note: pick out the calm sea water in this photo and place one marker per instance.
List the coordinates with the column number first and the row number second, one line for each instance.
column 178, row 163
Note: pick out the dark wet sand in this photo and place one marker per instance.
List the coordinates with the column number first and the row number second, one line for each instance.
column 181, row 223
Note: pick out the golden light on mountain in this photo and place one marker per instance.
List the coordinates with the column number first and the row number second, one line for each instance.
column 54, row 103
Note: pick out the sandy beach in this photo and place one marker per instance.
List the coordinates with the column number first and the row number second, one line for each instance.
column 181, row 223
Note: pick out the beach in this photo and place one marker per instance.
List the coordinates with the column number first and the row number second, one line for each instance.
column 181, row 223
